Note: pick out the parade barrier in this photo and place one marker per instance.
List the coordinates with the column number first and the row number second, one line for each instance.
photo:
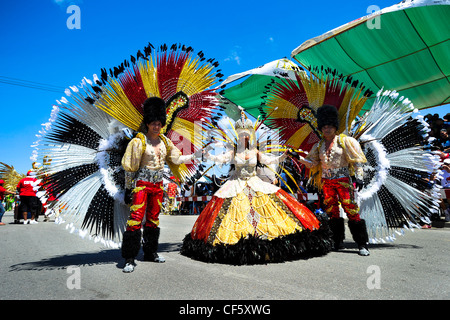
column 445, row 194
column 306, row 197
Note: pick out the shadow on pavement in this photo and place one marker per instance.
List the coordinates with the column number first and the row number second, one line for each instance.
column 64, row 261
column 106, row 256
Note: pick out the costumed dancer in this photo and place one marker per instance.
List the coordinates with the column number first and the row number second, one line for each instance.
column 394, row 192
column 105, row 141
column 11, row 179
column 144, row 162
column 249, row 221
column 336, row 158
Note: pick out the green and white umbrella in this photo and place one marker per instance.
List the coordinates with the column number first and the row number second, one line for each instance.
column 404, row 47
column 247, row 89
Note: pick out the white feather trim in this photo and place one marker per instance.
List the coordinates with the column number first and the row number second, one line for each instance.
column 381, row 170
column 102, row 159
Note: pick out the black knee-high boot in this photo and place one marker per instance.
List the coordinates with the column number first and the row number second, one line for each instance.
column 131, row 243
column 150, row 241
column 358, row 230
column 338, row 229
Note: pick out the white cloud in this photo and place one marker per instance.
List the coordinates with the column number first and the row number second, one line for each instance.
column 234, row 56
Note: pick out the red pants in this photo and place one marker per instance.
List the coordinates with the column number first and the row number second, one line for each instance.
column 147, row 199
column 341, row 191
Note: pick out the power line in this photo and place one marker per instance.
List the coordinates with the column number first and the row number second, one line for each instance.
column 31, row 84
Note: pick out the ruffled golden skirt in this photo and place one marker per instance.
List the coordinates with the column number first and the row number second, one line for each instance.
column 229, row 227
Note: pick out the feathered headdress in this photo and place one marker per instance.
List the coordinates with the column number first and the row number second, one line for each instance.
column 291, row 106
column 88, row 131
column 154, row 110
column 176, row 76
column 244, row 124
column 10, row 176
column 327, row 116
column 396, row 192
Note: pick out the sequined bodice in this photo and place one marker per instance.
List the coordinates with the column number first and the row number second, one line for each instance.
column 153, row 160
column 245, row 163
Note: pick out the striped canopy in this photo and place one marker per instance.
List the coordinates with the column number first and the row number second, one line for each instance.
column 405, row 47
column 250, row 93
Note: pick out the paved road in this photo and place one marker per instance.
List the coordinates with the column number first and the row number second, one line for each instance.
column 45, row 261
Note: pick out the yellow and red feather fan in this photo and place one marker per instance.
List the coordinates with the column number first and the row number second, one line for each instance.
column 292, row 105
column 176, row 73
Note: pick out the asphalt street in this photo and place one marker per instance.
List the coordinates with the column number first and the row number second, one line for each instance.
column 46, row 262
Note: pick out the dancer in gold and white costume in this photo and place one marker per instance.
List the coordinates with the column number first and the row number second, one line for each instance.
column 250, row 221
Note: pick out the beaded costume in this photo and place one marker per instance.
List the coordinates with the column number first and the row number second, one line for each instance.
column 144, row 163
column 336, row 165
column 101, row 120
column 250, row 221
column 344, row 157
column 394, row 167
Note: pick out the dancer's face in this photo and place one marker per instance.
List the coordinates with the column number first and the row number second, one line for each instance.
column 244, row 137
column 244, row 140
column 154, row 127
column 329, row 131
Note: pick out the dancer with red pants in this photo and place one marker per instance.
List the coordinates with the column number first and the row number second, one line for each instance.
column 336, row 158
column 143, row 162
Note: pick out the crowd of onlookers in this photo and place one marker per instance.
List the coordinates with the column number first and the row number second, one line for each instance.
column 440, row 128
column 440, row 144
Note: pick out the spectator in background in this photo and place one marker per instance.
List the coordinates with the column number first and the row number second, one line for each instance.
column 16, row 209
column 445, row 183
column 435, row 124
column 444, row 141
column 3, row 191
column 447, row 121
column 9, row 202
column 172, row 193
column 29, row 202
column 186, row 206
column 437, row 135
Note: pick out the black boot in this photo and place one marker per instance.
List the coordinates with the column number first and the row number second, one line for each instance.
column 150, row 241
column 360, row 236
column 131, row 243
column 338, row 229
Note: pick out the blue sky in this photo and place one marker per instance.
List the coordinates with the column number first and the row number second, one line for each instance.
column 36, row 45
